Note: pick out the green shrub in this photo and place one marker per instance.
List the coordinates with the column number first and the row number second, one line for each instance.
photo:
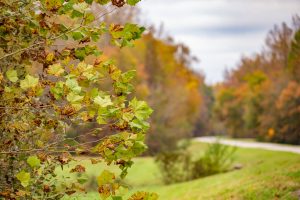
column 217, row 158
column 175, row 166
column 178, row 166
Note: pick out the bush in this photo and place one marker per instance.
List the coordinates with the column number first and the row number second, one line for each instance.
column 178, row 166
column 217, row 158
column 175, row 166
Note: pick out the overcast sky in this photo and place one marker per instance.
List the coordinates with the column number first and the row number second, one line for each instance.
column 219, row 31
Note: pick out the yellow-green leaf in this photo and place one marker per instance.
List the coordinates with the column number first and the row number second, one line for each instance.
column 105, row 177
column 74, row 98
column 103, row 101
column 12, row 75
column 55, row 70
column 72, row 84
column 33, row 161
column 24, row 178
column 29, row 82
column 1, row 77
column 50, row 57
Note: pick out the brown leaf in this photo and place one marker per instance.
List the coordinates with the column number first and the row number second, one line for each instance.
column 118, row 3
column 70, row 192
column 94, row 161
column 46, row 188
column 78, row 168
column 64, row 158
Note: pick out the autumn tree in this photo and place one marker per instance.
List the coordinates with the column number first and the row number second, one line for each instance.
column 53, row 75
column 170, row 87
column 260, row 97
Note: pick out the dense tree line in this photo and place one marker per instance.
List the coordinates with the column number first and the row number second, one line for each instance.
column 261, row 98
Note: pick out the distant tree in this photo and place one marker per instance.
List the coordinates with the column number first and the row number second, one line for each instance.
column 288, row 119
column 256, row 99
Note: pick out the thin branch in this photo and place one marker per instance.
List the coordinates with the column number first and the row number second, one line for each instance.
column 24, row 108
column 54, row 38
column 39, row 43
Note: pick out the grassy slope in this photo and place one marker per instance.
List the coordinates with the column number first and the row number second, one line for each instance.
column 265, row 175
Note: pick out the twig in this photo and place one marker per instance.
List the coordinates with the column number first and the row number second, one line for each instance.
column 54, row 38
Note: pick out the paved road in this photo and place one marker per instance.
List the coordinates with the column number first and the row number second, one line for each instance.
column 256, row 145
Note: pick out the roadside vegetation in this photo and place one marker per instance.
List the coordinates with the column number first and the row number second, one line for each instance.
column 277, row 177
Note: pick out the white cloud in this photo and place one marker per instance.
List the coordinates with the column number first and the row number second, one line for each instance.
column 219, row 31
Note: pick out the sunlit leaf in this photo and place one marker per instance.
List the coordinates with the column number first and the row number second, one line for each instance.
column 133, row 2
column 55, row 70
column 33, row 161
column 105, row 177
column 74, row 98
column 103, row 101
column 141, row 110
column 29, row 82
column 73, row 85
column 12, row 75
column 24, row 178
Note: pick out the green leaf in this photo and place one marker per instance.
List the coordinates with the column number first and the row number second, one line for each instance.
column 24, row 178
column 103, row 2
column 128, row 116
column 80, row 53
column 95, row 36
column 12, row 75
column 58, row 90
column 132, row 2
column 8, row 89
column 101, row 120
column 124, row 37
column 77, row 35
column 139, row 147
column 81, row 7
column 82, row 180
column 105, row 177
column 103, row 101
column 72, row 84
column 89, row 18
column 33, row 161
column 141, row 110
column 128, row 76
column 89, row 1
column 29, row 82
column 117, row 198
column 76, row 13
column 53, row 4
column 55, row 70
column 74, row 98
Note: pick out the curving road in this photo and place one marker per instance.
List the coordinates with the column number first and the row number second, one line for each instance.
column 256, row 145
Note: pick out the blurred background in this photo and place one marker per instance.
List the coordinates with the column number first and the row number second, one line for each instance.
column 218, row 32
column 226, row 68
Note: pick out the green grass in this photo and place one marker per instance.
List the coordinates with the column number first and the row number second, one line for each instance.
column 265, row 175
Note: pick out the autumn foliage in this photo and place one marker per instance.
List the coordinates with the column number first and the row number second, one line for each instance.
column 52, row 76
column 261, row 97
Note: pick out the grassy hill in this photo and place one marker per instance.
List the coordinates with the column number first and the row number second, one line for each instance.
column 264, row 175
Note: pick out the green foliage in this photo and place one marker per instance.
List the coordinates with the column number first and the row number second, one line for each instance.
column 33, row 161
column 174, row 166
column 24, row 178
column 217, row 158
column 29, row 82
column 294, row 58
column 179, row 166
column 49, row 87
column 123, row 36
column 171, row 89
column 133, row 2
column 12, row 75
